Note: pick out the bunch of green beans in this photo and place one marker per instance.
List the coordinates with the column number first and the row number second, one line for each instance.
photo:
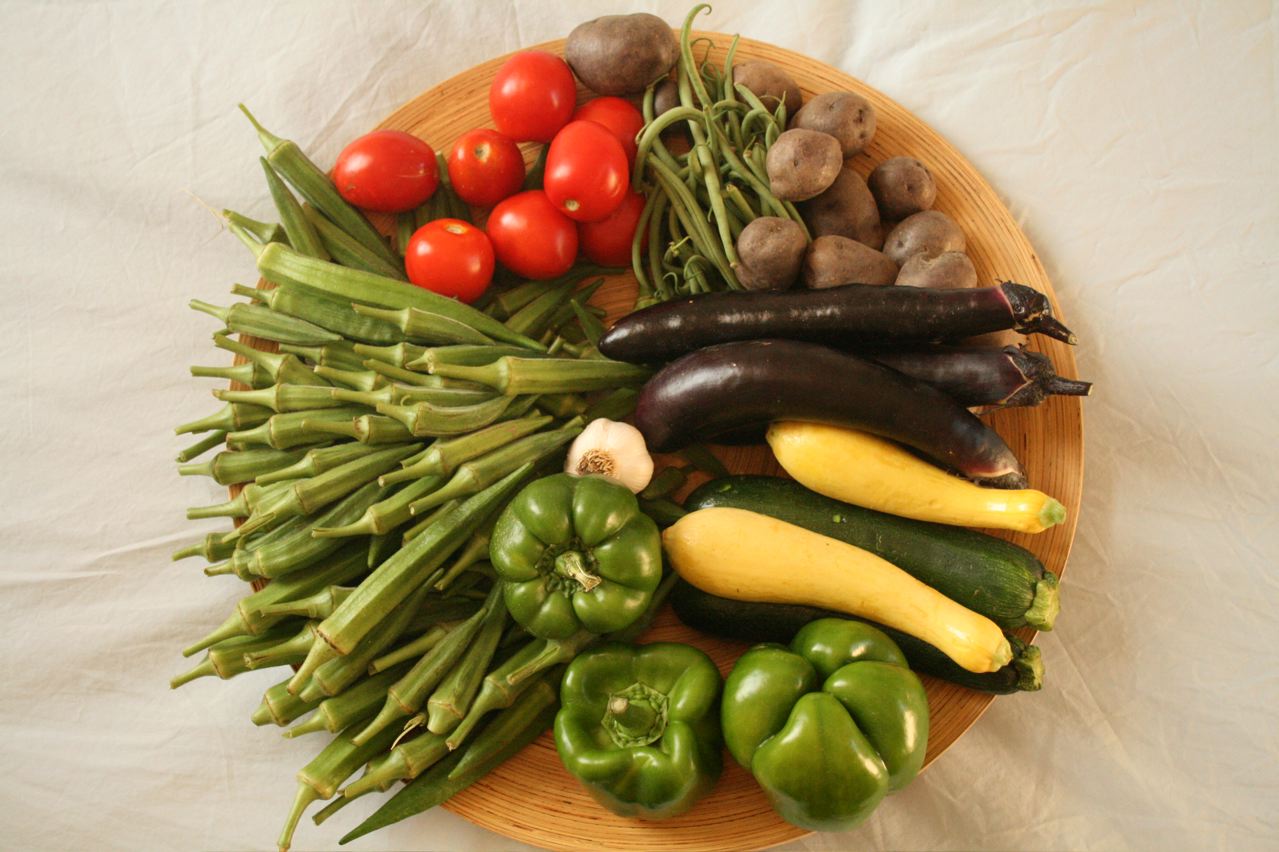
column 700, row 200
column 371, row 435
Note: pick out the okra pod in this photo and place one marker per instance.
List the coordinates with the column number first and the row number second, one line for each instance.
column 398, row 354
column 426, row 326
column 422, row 525
column 468, row 354
column 286, row 653
column 472, row 553
column 360, row 379
column 279, row 708
column 404, row 762
column 317, row 461
column 319, row 605
column 263, row 232
column 211, row 547
column 337, row 674
column 402, row 394
column 369, row 429
column 386, row 515
column 591, row 325
column 562, row 405
column 248, row 374
column 444, row 456
column 314, row 185
column 301, row 233
column 241, row 505
column 215, row 438
column 229, row 418
column 413, row 650
column 534, row 318
column 225, row 659
column 408, row 568
column 506, row 303
column 451, row 699
column 282, row 367
column 425, row 419
column 299, row 548
column 260, row 321
column 242, row 465
column 283, row 265
column 349, row 251
column 282, row 398
column 476, row 475
column 321, row 778
column 296, row 428
column 339, row 353
column 407, row 694
column 512, row 376
column 352, row 705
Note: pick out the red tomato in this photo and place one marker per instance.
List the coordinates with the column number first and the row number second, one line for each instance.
column 485, row 167
column 531, row 237
column 619, row 116
column 608, row 241
column 586, row 175
column 387, row 171
column 450, row 257
column 532, row 96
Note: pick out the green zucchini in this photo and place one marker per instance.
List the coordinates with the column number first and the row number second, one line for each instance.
column 990, row 576
column 749, row 621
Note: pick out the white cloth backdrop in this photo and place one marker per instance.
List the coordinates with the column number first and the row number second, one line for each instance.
column 1136, row 145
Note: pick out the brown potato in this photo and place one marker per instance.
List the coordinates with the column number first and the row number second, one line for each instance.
column 929, row 233
column 845, row 209
column 665, row 97
column 902, row 186
column 802, row 164
column 766, row 80
column 948, row 269
column 771, row 251
column 832, row 261
column 621, row 54
column 848, row 117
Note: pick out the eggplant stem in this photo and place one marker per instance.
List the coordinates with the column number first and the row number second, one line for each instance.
column 1067, row 387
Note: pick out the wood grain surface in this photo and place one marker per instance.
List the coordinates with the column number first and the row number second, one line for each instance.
column 531, row 798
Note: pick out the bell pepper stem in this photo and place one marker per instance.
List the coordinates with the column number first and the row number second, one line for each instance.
column 572, row 564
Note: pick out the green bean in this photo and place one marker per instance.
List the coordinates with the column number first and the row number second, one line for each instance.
column 296, row 428
column 399, row 354
column 409, row 567
column 414, row 649
column 282, row 367
column 280, row 708
column 318, row 460
column 321, row 778
column 282, row 398
column 354, row 379
column 408, row 693
column 314, row 185
column 281, row 264
column 263, row 232
column 245, row 619
column 367, row 429
column 355, row 704
column 260, row 321
column 248, row 374
column 229, row 417
column 422, row 525
column 425, row 326
column 512, row 376
column 425, row 419
column 286, row 653
column 225, row 659
column 216, row 437
column 348, row 251
column 301, row 233
column 478, row 474
column 386, row 515
column 337, row 674
column 326, row 312
column 510, row 732
column 210, row 547
column 306, row 496
column 318, row 605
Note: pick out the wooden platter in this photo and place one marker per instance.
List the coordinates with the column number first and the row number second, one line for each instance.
column 531, row 798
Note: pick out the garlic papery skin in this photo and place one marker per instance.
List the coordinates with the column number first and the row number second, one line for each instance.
column 612, row 450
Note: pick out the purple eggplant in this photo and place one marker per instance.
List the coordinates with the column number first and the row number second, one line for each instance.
column 727, row 388
column 848, row 317
column 976, row 376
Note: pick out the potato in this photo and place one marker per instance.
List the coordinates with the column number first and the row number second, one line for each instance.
column 771, row 251
column 802, row 164
column 621, row 54
column 665, row 97
column 848, row 117
column 902, row 186
column 948, row 269
column 832, row 261
column 845, row 209
column 929, row 233
column 766, row 80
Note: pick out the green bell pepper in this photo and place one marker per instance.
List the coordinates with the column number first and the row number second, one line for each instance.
column 574, row 553
column 829, row 726
column 639, row 727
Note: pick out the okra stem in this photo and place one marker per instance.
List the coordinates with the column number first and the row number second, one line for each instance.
column 210, row 547
column 241, row 466
column 288, row 652
column 215, row 438
column 293, row 429
column 370, row 429
column 318, row 605
column 451, row 699
column 444, row 456
column 263, row 232
column 472, row 553
column 282, row 398
column 398, row 354
column 425, row 326
column 250, row 374
column 299, row 548
column 384, row 516
column 281, row 367
column 414, row 649
column 226, row 658
column 260, row 321
column 512, row 376
column 422, row 525
column 412, row 393
column 425, row 419
column 339, row 353
column 354, row 379
column 352, row 705
column 230, row 417
column 317, row 461
column 279, row 708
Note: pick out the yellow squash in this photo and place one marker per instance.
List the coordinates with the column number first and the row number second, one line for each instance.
column 869, row 471
column 746, row 556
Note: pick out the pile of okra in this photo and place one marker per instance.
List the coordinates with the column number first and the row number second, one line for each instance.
column 373, row 444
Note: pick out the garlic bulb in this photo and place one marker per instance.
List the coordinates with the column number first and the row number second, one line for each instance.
column 612, row 450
